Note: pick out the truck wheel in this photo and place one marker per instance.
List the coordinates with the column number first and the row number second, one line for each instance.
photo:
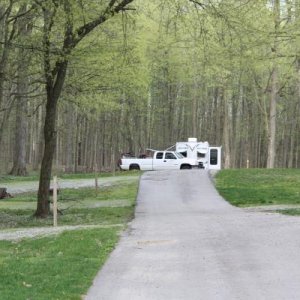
column 185, row 167
column 134, row 167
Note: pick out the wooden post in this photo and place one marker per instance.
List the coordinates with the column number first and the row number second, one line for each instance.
column 95, row 164
column 55, row 201
column 113, row 164
column 96, row 180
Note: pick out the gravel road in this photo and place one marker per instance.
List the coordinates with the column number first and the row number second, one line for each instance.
column 186, row 242
column 32, row 186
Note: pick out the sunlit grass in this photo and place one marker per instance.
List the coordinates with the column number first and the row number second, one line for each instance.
column 34, row 176
column 250, row 187
column 60, row 267
column 77, row 206
column 63, row 266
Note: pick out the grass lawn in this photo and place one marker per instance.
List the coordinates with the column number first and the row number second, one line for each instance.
column 62, row 266
column 254, row 187
column 78, row 206
column 34, row 176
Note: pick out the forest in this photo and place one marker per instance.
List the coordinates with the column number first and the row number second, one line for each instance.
column 82, row 81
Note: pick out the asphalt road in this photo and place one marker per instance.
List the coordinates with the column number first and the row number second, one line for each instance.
column 186, row 242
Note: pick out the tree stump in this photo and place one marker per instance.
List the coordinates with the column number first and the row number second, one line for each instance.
column 4, row 194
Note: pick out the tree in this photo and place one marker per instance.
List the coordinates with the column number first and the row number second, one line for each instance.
column 274, row 90
column 7, row 35
column 19, row 161
column 55, row 70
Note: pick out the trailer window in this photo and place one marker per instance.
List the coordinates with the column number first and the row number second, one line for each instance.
column 201, row 155
column 159, row 155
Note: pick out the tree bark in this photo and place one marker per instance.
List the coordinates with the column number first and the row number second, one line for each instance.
column 7, row 33
column 50, row 135
column 226, row 132
column 19, row 161
column 274, row 91
column 272, row 122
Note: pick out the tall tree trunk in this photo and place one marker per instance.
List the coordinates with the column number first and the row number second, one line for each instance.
column 19, row 161
column 6, row 36
column 272, row 121
column 226, row 131
column 274, row 91
column 50, row 135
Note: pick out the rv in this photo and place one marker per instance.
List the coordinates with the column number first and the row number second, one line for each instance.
column 207, row 156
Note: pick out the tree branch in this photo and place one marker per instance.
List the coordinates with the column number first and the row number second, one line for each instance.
column 198, row 3
column 110, row 11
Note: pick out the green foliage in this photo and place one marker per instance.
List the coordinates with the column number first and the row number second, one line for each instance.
column 251, row 187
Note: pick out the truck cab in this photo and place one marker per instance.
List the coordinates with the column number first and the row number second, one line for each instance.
column 166, row 160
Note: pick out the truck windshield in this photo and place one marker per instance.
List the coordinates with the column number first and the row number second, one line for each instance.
column 179, row 155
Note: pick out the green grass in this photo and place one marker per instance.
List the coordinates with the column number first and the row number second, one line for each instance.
column 253, row 187
column 78, row 206
column 60, row 267
column 63, row 266
column 35, row 176
column 89, row 216
column 291, row 212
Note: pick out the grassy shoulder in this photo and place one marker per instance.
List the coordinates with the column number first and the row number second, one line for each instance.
column 254, row 187
column 34, row 176
column 110, row 205
column 62, row 266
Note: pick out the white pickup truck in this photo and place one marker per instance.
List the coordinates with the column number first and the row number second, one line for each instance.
column 161, row 160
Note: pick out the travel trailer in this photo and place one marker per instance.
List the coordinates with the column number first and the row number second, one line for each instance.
column 187, row 155
column 207, row 156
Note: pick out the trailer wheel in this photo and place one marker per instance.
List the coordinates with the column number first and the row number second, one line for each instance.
column 134, row 167
column 185, row 167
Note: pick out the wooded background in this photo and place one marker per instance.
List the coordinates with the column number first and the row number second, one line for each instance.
column 226, row 72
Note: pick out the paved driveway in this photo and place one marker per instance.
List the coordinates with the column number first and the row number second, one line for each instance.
column 186, row 242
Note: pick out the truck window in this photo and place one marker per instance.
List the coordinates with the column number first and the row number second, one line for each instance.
column 170, row 155
column 179, row 155
column 159, row 155
column 184, row 154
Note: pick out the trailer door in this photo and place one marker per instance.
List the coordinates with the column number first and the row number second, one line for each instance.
column 214, row 158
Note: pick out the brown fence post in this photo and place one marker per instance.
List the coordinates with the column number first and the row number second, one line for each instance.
column 55, row 201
